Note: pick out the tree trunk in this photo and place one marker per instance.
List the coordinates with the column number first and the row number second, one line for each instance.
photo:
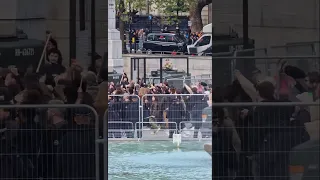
column 196, row 19
column 195, row 14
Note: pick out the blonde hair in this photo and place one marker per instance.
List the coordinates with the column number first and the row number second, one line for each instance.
column 143, row 91
column 102, row 96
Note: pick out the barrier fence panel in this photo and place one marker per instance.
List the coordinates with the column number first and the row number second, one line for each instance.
column 156, row 131
column 165, row 111
column 277, row 66
column 195, row 130
column 120, row 129
column 49, row 142
column 189, row 81
column 121, row 116
column 266, row 140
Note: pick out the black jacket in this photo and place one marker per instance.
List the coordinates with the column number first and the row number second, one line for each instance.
column 271, row 126
column 50, row 143
column 76, row 154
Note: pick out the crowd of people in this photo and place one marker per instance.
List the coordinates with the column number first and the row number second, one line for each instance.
column 254, row 141
column 50, row 142
column 60, row 142
column 192, row 37
column 162, row 103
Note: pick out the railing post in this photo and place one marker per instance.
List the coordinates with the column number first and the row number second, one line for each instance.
column 161, row 62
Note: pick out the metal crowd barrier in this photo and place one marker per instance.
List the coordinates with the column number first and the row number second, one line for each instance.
column 195, row 130
column 158, row 52
column 266, row 140
column 123, row 129
column 155, row 131
column 49, row 142
column 173, row 108
column 154, row 117
column 190, row 81
column 121, row 116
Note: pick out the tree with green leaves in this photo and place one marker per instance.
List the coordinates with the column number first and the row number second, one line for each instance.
column 194, row 7
column 126, row 9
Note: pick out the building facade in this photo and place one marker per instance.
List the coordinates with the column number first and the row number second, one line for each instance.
column 271, row 22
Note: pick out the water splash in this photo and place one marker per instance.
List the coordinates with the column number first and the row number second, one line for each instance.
column 199, row 135
column 176, row 139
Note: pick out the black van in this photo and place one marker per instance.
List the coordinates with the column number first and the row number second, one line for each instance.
column 163, row 42
column 20, row 52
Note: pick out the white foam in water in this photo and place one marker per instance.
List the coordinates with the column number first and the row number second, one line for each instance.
column 176, row 139
column 123, row 134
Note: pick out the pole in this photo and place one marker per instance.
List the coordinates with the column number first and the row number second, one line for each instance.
column 43, row 53
column 161, row 61
column 93, row 33
column 245, row 25
column 82, row 15
column 144, row 70
column 72, row 30
column 151, row 25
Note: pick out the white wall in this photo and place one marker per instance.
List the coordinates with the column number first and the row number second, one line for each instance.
column 272, row 22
